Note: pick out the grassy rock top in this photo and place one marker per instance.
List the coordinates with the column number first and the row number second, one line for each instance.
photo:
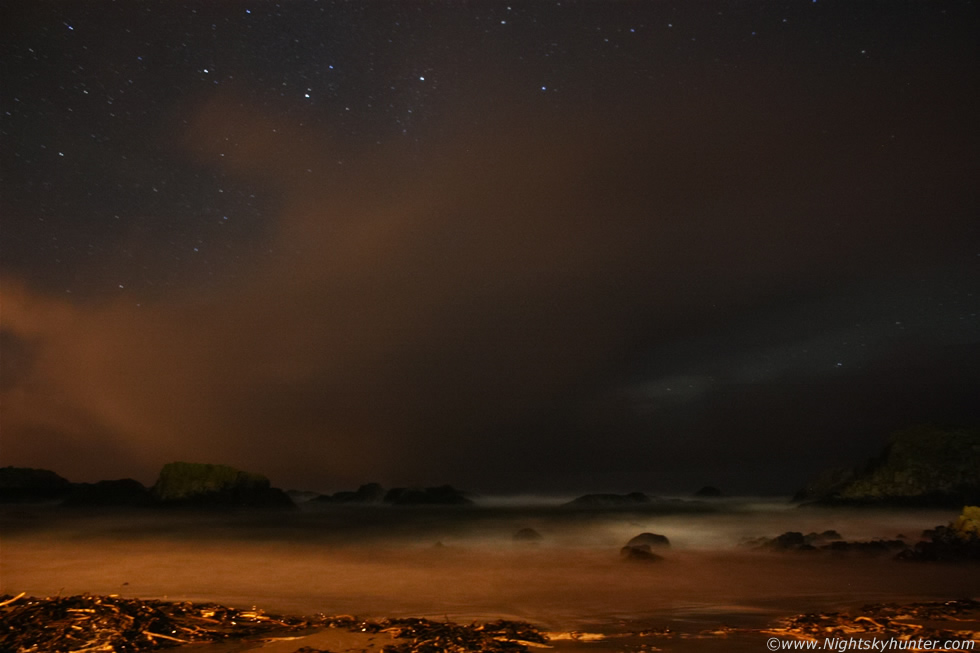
column 922, row 465
column 181, row 481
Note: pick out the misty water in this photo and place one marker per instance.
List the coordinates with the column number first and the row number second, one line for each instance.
column 463, row 563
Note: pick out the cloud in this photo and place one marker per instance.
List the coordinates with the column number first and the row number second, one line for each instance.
column 414, row 318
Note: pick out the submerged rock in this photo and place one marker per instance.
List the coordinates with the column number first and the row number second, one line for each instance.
column 652, row 540
column 639, row 553
column 202, row 485
column 26, row 484
column 528, row 535
column 922, row 465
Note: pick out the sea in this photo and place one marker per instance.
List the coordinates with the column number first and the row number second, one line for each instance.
column 463, row 564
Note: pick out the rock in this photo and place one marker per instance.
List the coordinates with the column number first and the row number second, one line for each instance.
column 444, row 495
column 708, row 492
column 601, row 500
column 796, row 541
column 26, row 484
column 122, row 492
column 789, row 541
column 639, row 553
column 528, row 535
column 652, row 540
column 921, row 466
column 872, row 548
column 368, row 493
column 200, row 485
column 820, row 538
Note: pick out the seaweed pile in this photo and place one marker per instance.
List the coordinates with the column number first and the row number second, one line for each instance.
column 110, row 624
column 913, row 621
column 427, row 636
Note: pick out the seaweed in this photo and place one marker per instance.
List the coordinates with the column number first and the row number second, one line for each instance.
column 83, row 624
column 111, row 624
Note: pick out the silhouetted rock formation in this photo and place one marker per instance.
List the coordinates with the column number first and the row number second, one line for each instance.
column 200, row 485
column 820, row 538
column 922, row 465
column 122, row 492
column 708, row 492
column 826, row 542
column 599, row 500
column 652, row 540
column 444, row 495
column 368, row 493
column 25, row 484
column 528, row 535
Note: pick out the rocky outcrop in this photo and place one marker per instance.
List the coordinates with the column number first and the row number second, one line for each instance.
column 26, row 484
column 921, row 466
column 122, row 492
column 606, row 500
column 958, row 542
column 201, row 485
column 444, row 495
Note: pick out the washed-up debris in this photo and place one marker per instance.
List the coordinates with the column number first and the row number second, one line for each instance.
column 111, row 624
column 888, row 620
column 427, row 636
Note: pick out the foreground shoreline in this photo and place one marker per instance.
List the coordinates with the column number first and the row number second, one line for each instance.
column 90, row 623
column 703, row 593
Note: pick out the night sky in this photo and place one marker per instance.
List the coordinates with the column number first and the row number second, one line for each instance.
column 525, row 247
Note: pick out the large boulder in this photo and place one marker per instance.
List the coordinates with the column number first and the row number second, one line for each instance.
column 444, row 495
column 609, row 500
column 26, row 484
column 201, row 485
column 922, row 465
column 122, row 492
